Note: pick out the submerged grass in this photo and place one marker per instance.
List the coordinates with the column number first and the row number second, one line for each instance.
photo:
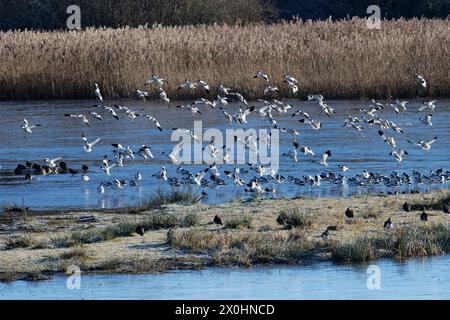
column 338, row 59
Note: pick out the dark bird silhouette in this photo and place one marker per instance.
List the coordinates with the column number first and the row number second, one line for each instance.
column 424, row 216
column 140, row 230
column 349, row 213
column 325, row 234
column 388, row 224
column 331, row 228
column 282, row 219
column 218, row 220
column 446, row 208
column 407, row 207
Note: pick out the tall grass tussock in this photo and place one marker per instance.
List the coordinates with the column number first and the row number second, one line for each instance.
column 338, row 59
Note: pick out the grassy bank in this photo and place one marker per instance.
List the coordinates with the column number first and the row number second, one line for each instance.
column 338, row 59
column 185, row 236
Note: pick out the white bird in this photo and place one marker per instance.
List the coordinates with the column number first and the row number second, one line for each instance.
column 240, row 97
column 27, row 127
column 101, row 188
column 120, row 183
column 110, row 110
column 227, row 116
column 97, row 92
column 96, row 115
column 79, row 116
column 289, row 79
column 155, row 122
column 315, row 97
column 163, row 174
column 401, row 104
column 155, row 80
column 145, row 152
column 89, row 145
column 366, row 174
column 428, row 104
column 271, row 89
column 224, row 90
column 425, row 145
column 421, row 80
column 163, row 95
column 293, row 154
column 316, row 125
column 138, row 177
column 142, row 94
column 260, row 170
column 427, row 120
column 293, row 87
column 129, row 153
column 306, row 150
column 188, row 85
column 106, row 168
column 85, row 178
column 204, row 85
column 174, row 152
column 329, row 111
column 205, row 102
column 388, row 139
column 261, row 75
column 241, row 117
column 52, row 162
column 199, row 176
column 190, row 132
column 398, row 155
column 118, row 146
column 343, row 168
column 324, row 158
column 219, row 101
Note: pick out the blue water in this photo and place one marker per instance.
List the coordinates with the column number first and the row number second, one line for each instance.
column 61, row 137
column 413, row 279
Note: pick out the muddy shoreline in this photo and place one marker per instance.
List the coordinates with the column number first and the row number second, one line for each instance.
column 38, row 245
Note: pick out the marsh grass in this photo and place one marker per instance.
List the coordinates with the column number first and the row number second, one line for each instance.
column 162, row 220
column 241, row 248
column 298, row 217
column 338, row 59
column 162, row 197
column 16, row 212
column 434, row 204
column 243, row 221
column 414, row 241
column 76, row 253
column 121, row 229
column 23, row 241
column 15, row 208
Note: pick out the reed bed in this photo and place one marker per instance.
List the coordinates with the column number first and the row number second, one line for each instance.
column 341, row 59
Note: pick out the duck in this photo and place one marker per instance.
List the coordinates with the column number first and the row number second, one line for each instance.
column 349, row 213
column 407, row 207
column 218, row 220
column 424, row 216
column 446, row 208
column 388, row 224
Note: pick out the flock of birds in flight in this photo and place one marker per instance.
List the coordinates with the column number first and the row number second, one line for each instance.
column 369, row 116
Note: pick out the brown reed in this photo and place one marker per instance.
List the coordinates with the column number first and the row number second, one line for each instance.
column 337, row 59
